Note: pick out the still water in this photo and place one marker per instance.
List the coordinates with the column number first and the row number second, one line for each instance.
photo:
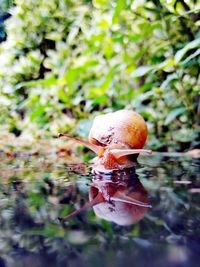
column 145, row 216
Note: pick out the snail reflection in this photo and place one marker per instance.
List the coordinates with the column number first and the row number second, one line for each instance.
column 118, row 196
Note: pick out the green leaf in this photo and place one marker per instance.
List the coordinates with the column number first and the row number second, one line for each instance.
column 195, row 54
column 48, row 82
column 70, row 78
column 179, row 55
column 165, row 64
column 103, row 87
column 121, row 4
column 184, row 135
column 173, row 114
column 100, row 3
column 63, row 96
column 167, row 81
column 141, row 71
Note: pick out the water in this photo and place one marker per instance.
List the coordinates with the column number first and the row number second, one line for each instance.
column 121, row 230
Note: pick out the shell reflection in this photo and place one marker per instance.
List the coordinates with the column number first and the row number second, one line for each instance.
column 124, row 198
column 118, row 196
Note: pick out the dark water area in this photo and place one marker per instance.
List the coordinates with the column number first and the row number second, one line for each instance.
column 145, row 216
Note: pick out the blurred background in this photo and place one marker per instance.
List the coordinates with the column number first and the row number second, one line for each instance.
column 63, row 62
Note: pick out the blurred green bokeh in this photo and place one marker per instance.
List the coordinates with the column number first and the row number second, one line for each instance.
column 64, row 62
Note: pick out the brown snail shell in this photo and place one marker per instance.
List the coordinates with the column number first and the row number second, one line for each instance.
column 123, row 129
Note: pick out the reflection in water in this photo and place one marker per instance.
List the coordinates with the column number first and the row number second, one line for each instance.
column 34, row 192
column 118, row 196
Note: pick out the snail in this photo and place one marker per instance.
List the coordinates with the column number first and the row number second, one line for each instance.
column 117, row 197
column 115, row 138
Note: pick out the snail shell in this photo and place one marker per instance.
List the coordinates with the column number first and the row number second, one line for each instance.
column 120, row 129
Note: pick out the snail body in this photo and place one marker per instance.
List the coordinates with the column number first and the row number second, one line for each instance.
column 115, row 138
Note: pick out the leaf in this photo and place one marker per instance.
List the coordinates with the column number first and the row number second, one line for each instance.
column 179, row 55
column 141, row 71
column 173, row 114
column 165, row 64
column 48, row 82
column 136, row 102
column 196, row 53
column 72, row 35
column 184, row 135
column 70, row 78
column 100, row 3
column 121, row 4
column 103, row 87
column 170, row 78
column 83, row 127
column 63, row 96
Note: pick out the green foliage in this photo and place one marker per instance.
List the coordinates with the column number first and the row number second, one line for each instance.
column 66, row 61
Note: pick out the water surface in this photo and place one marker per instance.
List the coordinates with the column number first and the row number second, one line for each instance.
column 35, row 191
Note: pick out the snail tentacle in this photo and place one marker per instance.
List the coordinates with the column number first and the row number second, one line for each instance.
column 118, row 153
column 94, row 148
